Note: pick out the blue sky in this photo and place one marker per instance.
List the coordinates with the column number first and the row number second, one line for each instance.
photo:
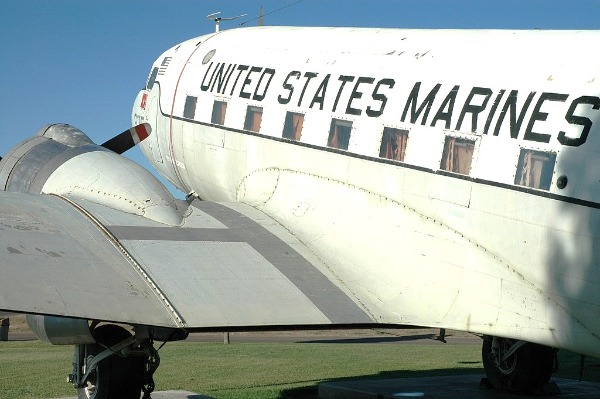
column 83, row 62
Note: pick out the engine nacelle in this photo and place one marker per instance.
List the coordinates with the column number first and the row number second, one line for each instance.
column 60, row 330
column 28, row 165
column 61, row 159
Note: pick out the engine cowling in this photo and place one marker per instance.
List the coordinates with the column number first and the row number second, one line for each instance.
column 60, row 330
column 61, row 159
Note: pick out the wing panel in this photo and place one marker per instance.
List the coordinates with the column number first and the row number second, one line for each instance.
column 54, row 260
column 240, row 274
column 225, row 266
column 224, row 283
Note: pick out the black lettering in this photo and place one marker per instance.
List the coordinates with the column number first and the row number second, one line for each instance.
column 356, row 95
column 319, row 96
column 582, row 121
column 537, row 115
column 203, row 86
column 289, row 87
column 228, row 77
column 448, row 102
column 382, row 98
column 308, row 76
column 426, row 104
column 218, row 76
column 248, row 81
column 344, row 79
column 515, row 124
column 240, row 68
column 488, row 121
column 260, row 97
column 474, row 109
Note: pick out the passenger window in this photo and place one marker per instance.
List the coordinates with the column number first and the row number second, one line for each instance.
column 189, row 110
column 218, row 113
column 393, row 144
column 339, row 134
column 253, row 118
column 292, row 129
column 535, row 169
column 457, row 156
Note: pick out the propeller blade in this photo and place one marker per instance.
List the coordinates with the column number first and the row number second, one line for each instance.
column 128, row 139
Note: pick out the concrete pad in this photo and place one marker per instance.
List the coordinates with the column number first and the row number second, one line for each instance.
column 172, row 395
column 449, row 387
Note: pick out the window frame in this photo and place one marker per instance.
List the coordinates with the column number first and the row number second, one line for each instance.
column 336, row 123
column 461, row 140
column 190, row 106
column 253, row 110
column 404, row 133
column 222, row 112
column 295, row 133
column 546, row 176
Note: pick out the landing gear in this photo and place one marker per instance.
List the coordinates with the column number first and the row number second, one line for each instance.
column 517, row 365
column 117, row 366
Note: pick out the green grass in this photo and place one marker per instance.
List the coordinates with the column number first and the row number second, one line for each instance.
column 255, row 370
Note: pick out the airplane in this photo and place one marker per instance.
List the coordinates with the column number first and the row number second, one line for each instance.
column 334, row 178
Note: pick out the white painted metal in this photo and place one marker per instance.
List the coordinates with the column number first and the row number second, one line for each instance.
column 411, row 245
column 109, row 179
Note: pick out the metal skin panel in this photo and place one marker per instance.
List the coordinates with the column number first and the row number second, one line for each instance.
column 55, row 261
column 220, row 269
column 239, row 275
column 414, row 244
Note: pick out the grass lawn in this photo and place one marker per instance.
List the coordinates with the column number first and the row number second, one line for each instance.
column 256, row 370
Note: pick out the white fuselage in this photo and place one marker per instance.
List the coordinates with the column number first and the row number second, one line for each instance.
column 479, row 212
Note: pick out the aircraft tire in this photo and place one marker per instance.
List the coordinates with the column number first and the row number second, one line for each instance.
column 527, row 370
column 115, row 376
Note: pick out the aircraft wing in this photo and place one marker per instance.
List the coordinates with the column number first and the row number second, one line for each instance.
column 228, row 265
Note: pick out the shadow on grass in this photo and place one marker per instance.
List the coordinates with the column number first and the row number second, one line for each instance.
column 371, row 340
column 311, row 392
column 568, row 368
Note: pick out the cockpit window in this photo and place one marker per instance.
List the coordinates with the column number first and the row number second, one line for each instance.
column 535, row 169
column 152, row 78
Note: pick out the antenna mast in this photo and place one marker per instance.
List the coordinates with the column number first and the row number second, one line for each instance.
column 215, row 17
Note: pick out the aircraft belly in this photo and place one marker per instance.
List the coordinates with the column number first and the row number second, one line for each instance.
column 434, row 252
column 55, row 261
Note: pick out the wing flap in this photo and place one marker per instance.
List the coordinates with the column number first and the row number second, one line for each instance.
column 231, row 265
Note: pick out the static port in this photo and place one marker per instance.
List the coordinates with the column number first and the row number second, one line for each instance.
column 562, row 181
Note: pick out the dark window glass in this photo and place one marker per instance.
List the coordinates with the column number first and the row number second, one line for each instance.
column 339, row 134
column 218, row 112
column 292, row 129
column 152, row 79
column 189, row 110
column 393, row 143
column 457, row 156
column 535, row 169
column 253, row 119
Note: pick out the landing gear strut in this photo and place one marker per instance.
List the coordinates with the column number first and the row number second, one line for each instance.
column 117, row 366
column 517, row 365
